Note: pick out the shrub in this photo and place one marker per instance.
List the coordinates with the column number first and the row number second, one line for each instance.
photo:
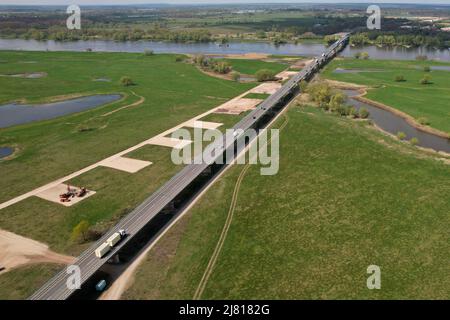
column 235, row 76
column 363, row 113
column 303, row 86
column 352, row 112
column 201, row 60
column 423, row 121
column 426, row 69
column 337, row 101
column 421, row 58
column 342, row 110
column 320, row 93
column 365, row 55
column 148, row 52
column 401, row 135
column 414, row 141
column 179, row 58
column 265, row 75
column 221, row 67
column 426, row 79
column 126, row 81
column 357, row 55
column 80, row 232
column 399, row 78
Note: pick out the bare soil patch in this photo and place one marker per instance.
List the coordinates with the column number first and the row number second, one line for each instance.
column 16, row 251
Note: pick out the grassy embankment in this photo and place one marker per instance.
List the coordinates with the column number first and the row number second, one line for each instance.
column 429, row 102
column 174, row 92
column 346, row 197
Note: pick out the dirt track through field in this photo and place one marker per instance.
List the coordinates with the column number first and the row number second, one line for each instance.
column 212, row 262
column 134, row 104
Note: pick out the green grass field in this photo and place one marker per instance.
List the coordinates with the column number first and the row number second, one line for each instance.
column 252, row 66
column 20, row 283
column 346, row 197
column 48, row 150
column 431, row 101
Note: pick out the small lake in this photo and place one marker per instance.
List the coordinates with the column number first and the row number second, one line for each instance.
column 302, row 49
column 15, row 114
column 393, row 124
column 5, row 152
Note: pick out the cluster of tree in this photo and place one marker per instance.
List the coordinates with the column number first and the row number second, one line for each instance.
column 217, row 66
column 126, row 81
column 83, row 232
column 60, row 33
column 362, row 55
column 334, row 101
column 407, row 40
column 265, row 75
column 330, row 39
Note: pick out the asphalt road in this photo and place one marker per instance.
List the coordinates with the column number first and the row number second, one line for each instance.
column 57, row 289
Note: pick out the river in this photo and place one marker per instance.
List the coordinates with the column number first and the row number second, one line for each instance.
column 302, row 49
column 394, row 124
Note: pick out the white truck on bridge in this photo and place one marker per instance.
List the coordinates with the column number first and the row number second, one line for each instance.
column 101, row 251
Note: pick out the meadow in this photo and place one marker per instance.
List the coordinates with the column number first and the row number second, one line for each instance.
column 174, row 92
column 346, row 197
column 250, row 67
column 429, row 103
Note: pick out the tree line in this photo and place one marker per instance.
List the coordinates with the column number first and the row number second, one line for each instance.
column 440, row 40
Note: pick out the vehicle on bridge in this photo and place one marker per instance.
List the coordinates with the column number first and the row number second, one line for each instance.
column 101, row 285
column 101, row 251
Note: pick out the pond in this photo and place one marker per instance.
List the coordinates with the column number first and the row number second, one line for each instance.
column 5, row 152
column 307, row 49
column 393, row 124
column 15, row 114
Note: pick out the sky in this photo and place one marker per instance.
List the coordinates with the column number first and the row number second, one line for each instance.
column 92, row 2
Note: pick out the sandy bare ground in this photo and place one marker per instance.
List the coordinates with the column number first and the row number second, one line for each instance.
column 267, row 88
column 237, row 107
column 286, row 74
column 249, row 56
column 16, row 251
column 169, row 142
column 152, row 140
column 126, row 164
column 204, row 125
column 301, row 64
